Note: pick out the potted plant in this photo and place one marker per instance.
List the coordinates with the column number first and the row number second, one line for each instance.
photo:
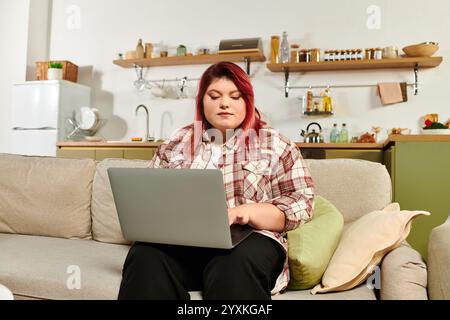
column 54, row 71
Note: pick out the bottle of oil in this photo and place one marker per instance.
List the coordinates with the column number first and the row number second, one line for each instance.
column 309, row 100
column 327, row 104
column 140, row 50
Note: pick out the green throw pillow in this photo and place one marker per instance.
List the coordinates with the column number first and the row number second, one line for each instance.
column 312, row 245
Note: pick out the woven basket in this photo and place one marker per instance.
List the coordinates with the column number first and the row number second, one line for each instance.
column 69, row 70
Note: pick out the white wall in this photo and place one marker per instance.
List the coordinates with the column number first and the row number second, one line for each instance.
column 91, row 33
column 38, row 35
column 14, row 16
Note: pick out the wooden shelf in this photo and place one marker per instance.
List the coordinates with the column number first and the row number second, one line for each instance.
column 317, row 113
column 187, row 60
column 421, row 62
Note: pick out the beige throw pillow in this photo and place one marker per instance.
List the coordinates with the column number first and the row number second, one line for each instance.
column 363, row 245
column 105, row 222
column 46, row 196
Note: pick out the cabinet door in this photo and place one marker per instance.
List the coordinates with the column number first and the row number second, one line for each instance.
column 76, row 153
column 389, row 162
column 105, row 153
column 422, row 182
column 139, row 153
column 363, row 154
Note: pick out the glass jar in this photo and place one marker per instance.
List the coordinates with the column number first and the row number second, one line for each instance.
column 367, row 53
column 331, row 55
column 338, row 55
column 378, row 54
column 181, row 51
column 295, row 53
column 275, row 48
column 359, row 54
column 315, row 55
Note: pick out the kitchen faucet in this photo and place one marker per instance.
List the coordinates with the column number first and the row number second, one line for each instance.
column 147, row 135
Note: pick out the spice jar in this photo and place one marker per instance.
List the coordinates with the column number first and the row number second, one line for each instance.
column 378, row 54
column 295, row 55
column 307, row 55
column 368, row 54
column 359, row 54
column 331, row 55
column 315, row 55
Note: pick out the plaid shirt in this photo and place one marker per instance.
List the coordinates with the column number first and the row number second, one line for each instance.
column 270, row 170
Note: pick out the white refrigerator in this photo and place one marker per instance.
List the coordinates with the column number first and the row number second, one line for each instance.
column 40, row 110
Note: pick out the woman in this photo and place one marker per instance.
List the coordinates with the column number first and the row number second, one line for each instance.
column 267, row 187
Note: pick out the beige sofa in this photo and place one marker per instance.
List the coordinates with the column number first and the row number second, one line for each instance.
column 60, row 237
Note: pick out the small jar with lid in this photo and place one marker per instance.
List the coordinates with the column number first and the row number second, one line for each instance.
column 308, row 55
column 378, row 54
column 359, row 54
column 330, row 55
column 369, row 53
column 315, row 55
column 302, row 55
column 295, row 54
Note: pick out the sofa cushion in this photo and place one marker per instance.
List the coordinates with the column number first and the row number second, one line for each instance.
column 105, row 222
column 363, row 245
column 403, row 275
column 359, row 293
column 312, row 245
column 46, row 196
column 45, row 267
column 355, row 187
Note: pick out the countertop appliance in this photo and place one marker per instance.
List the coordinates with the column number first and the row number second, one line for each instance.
column 40, row 113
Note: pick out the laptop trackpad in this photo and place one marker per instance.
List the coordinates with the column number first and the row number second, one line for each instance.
column 239, row 233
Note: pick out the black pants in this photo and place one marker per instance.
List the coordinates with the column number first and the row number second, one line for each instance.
column 248, row 271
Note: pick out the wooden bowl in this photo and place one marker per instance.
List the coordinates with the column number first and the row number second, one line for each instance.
column 421, row 50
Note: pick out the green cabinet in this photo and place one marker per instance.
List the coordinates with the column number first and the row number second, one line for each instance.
column 421, row 181
column 101, row 153
column 375, row 155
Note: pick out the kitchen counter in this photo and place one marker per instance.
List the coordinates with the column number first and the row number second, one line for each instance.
column 123, row 144
column 419, row 138
column 392, row 139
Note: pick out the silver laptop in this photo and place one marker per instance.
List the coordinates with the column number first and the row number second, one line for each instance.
column 174, row 206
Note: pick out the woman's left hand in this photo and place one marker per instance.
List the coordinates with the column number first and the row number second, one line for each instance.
column 238, row 215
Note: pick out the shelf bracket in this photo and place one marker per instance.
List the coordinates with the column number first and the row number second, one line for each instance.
column 286, row 82
column 416, row 79
column 247, row 61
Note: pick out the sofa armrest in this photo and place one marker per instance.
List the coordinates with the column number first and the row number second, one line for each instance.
column 439, row 262
column 403, row 275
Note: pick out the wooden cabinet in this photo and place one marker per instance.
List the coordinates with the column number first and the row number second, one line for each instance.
column 363, row 154
column 420, row 174
column 100, row 153
column 75, row 153
column 143, row 154
column 364, row 151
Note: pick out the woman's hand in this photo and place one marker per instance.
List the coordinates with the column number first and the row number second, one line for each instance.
column 237, row 215
column 260, row 216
